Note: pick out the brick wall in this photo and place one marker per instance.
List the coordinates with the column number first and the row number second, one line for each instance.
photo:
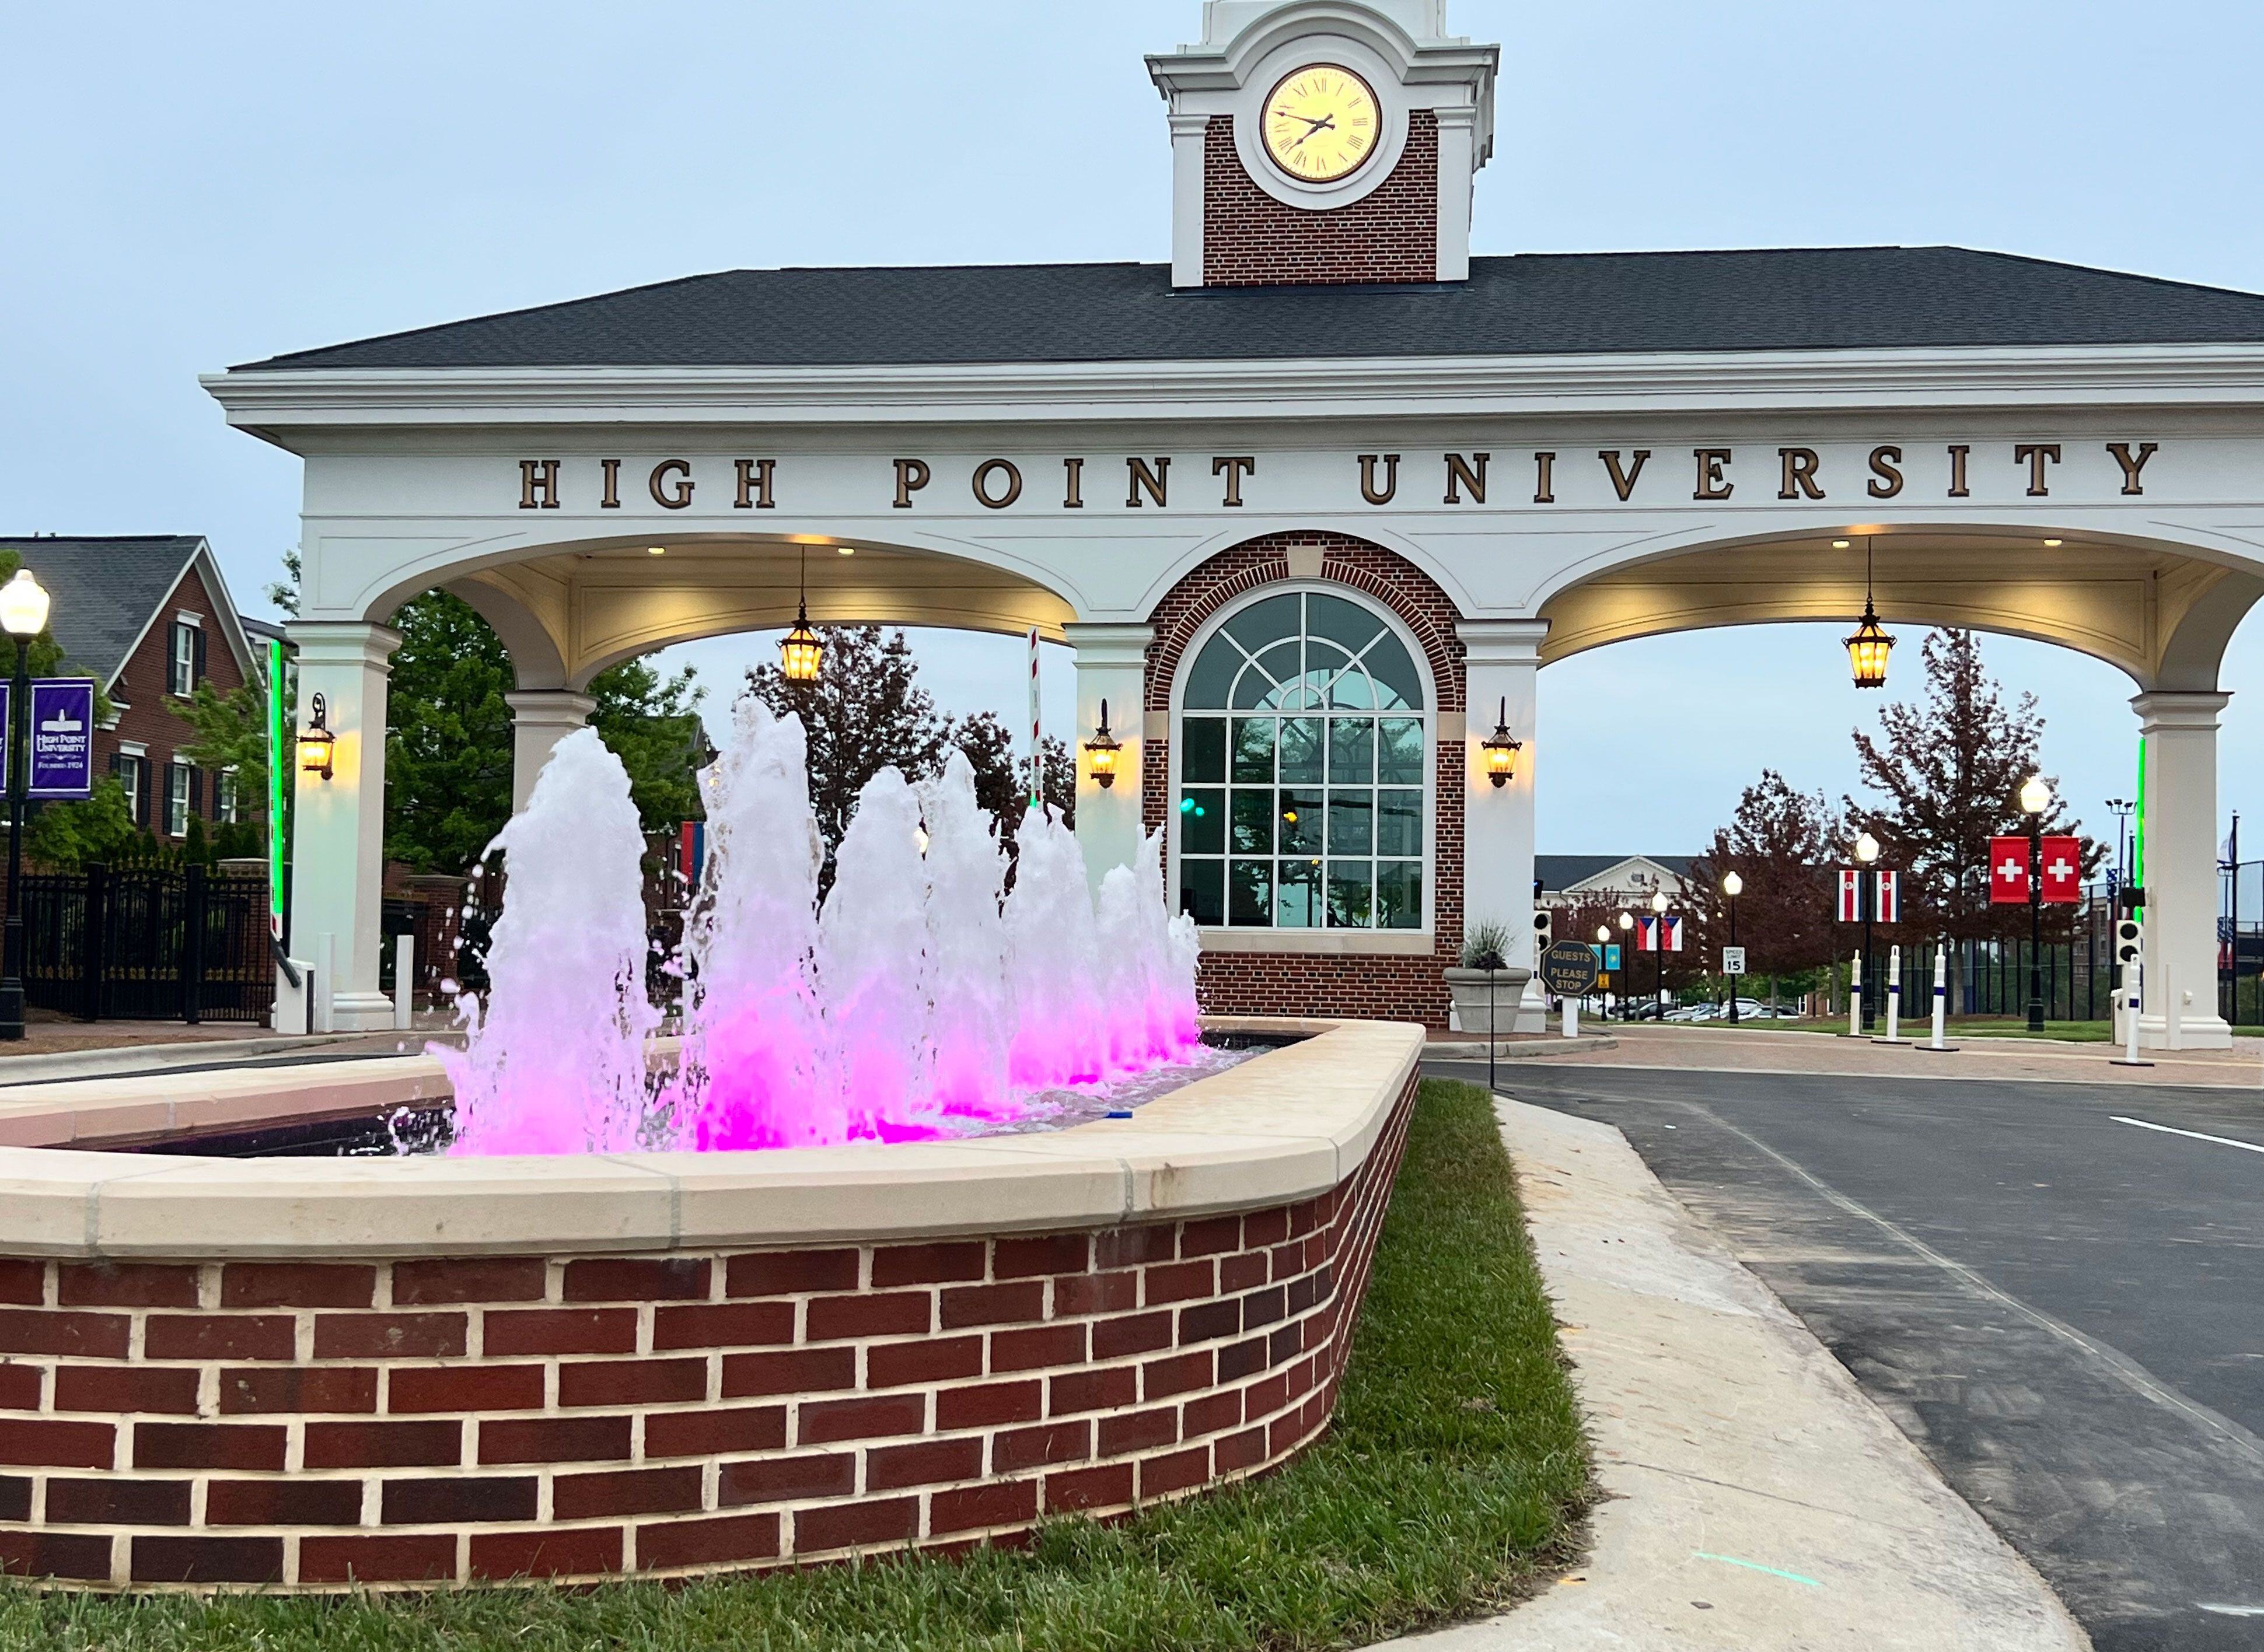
column 1250, row 239
column 140, row 689
column 1400, row 987
column 405, row 1423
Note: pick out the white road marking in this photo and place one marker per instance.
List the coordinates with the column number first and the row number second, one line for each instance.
column 2230, row 1612
column 2195, row 1135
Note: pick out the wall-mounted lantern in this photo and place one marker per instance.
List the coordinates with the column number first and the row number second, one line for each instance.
column 1501, row 748
column 317, row 745
column 1101, row 752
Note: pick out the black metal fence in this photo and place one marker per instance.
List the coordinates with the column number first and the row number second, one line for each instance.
column 148, row 944
column 2076, row 975
column 2240, row 942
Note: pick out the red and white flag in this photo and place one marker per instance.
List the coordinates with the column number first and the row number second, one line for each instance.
column 1653, row 931
column 2063, row 869
column 1851, row 896
column 1890, row 897
column 2008, row 871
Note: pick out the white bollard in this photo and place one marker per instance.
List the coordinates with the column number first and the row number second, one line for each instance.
column 1941, row 998
column 1894, row 999
column 1571, row 1016
column 404, row 980
column 1855, row 997
column 326, row 958
column 2135, row 996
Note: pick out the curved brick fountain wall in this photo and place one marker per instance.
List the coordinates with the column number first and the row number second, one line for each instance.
column 448, row 1419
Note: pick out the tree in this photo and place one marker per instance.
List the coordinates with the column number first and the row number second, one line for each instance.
column 1951, row 770
column 229, row 732
column 652, row 724
column 866, row 712
column 65, row 836
column 1782, row 844
column 448, row 741
column 1002, row 780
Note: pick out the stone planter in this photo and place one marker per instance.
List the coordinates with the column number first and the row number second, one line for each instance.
column 1474, row 1005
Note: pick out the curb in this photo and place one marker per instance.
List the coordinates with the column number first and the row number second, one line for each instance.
column 1753, row 1499
column 1525, row 1049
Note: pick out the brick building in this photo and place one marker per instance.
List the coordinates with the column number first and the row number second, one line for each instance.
column 149, row 617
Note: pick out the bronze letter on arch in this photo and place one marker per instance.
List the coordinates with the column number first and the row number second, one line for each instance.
column 911, row 476
column 1799, row 474
column 985, row 471
column 2131, row 485
column 1143, row 480
column 1460, row 475
column 665, row 497
column 1623, row 482
column 1712, row 484
column 1886, row 476
column 1368, row 490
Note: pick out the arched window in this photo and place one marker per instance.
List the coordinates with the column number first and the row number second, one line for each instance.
column 1302, row 766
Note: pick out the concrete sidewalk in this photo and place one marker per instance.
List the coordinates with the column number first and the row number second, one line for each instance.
column 1725, row 1049
column 1758, row 1501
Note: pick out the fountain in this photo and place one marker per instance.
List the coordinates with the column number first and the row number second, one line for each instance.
column 912, row 998
column 596, row 1339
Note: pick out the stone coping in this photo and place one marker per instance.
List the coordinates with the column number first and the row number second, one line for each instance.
column 1287, row 1125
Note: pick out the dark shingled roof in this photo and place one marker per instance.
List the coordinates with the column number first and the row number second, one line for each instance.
column 1536, row 304
column 103, row 590
column 1559, row 873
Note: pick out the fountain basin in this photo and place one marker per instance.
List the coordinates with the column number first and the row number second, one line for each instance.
column 316, row 1374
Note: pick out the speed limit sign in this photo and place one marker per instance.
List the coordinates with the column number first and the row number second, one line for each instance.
column 1733, row 960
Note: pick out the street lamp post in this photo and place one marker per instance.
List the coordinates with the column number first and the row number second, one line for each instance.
column 2035, row 801
column 23, row 615
column 1867, row 856
column 1626, row 932
column 1658, row 944
column 1732, row 887
column 1604, row 939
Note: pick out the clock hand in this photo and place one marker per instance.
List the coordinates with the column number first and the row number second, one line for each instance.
column 1308, row 119
column 1318, row 126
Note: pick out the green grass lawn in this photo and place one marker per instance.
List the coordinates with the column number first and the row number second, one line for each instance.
column 1455, row 1476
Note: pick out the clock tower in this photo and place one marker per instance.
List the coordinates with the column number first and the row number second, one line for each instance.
column 1325, row 140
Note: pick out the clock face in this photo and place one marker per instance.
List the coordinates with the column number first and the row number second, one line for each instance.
column 1321, row 123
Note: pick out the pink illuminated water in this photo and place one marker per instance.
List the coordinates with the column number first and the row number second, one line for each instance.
column 916, row 1003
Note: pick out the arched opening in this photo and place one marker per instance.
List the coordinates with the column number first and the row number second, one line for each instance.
column 569, row 611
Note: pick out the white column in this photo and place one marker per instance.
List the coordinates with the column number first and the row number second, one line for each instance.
column 1112, row 666
column 540, row 719
column 1502, row 670
column 2181, row 873
column 1189, row 134
column 1457, row 174
column 338, row 853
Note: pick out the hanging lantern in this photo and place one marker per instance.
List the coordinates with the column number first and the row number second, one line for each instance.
column 1868, row 647
column 1101, row 752
column 800, row 651
column 1501, row 748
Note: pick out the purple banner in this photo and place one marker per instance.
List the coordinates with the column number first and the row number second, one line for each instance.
column 63, row 737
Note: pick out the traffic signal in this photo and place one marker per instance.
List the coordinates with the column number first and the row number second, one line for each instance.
column 1542, row 921
column 2127, row 931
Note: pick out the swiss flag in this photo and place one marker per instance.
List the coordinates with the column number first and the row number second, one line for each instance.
column 2008, row 871
column 2063, row 865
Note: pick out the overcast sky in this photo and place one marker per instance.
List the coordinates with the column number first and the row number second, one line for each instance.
column 189, row 187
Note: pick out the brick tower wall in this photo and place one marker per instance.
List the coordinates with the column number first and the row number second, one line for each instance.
column 1250, row 239
column 1386, row 987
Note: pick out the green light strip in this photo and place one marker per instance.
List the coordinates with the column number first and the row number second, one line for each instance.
column 2138, row 827
column 279, row 765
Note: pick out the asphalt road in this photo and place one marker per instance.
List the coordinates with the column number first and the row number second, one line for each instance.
column 2064, row 1309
